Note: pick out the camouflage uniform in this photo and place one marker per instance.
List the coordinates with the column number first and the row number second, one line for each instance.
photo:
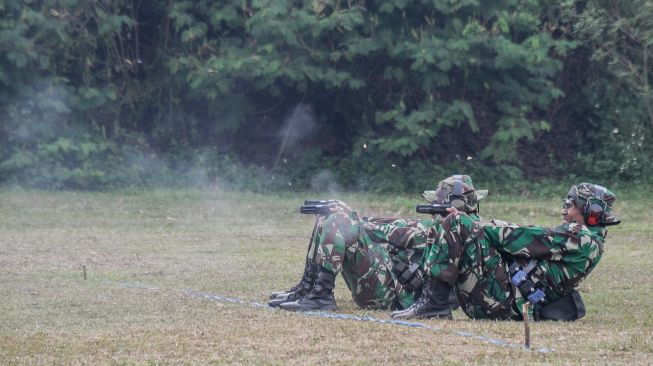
column 358, row 248
column 476, row 258
column 366, row 250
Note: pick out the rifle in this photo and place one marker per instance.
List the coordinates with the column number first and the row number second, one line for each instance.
column 434, row 209
column 319, row 207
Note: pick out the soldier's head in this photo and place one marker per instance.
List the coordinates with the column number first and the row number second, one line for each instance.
column 589, row 204
column 457, row 190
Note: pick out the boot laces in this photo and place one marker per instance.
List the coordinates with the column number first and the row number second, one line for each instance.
column 303, row 284
column 421, row 301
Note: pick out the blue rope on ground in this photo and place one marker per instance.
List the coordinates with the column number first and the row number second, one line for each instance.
column 330, row 315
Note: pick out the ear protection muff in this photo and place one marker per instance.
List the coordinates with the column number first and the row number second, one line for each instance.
column 458, row 185
column 457, row 198
column 594, row 211
column 595, row 207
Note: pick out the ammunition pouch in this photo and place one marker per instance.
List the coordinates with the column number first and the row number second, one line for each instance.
column 567, row 308
column 410, row 276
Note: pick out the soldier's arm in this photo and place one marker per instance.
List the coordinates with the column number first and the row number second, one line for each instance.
column 564, row 243
column 398, row 233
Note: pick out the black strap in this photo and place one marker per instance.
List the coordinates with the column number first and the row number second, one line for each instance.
column 458, row 185
column 530, row 266
column 312, row 256
column 409, row 275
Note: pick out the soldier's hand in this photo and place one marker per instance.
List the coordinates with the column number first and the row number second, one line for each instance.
column 341, row 207
column 452, row 210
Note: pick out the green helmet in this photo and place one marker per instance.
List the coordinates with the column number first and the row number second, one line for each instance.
column 595, row 202
column 457, row 190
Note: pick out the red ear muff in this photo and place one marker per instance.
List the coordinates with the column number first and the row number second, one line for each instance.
column 594, row 214
column 593, row 219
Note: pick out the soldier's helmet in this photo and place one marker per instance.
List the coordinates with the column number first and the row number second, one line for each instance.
column 595, row 202
column 457, row 190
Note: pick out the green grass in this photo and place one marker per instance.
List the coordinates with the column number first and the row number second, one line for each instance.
column 246, row 245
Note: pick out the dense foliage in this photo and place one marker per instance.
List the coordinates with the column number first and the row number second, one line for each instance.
column 377, row 95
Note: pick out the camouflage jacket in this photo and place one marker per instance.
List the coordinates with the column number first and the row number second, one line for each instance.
column 565, row 254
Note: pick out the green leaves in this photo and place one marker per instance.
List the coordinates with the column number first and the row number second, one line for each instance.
column 110, row 23
column 463, row 66
column 446, row 78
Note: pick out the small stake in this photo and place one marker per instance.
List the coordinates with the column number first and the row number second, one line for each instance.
column 527, row 329
column 84, row 271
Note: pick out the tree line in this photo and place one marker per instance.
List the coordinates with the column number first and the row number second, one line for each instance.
column 378, row 95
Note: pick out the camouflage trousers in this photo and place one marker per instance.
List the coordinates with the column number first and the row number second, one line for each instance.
column 343, row 246
column 464, row 258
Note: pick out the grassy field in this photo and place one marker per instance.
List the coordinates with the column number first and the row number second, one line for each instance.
column 142, row 250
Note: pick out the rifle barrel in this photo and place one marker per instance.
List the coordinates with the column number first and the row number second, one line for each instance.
column 319, row 209
column 318, row 202
column 433, row 209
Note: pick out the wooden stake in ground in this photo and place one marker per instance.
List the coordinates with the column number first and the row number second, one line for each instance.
column 527, row 329
column 84, row 271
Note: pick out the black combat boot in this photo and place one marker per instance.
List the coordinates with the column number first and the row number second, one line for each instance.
column 453, row 299
column 310, row 271
column 320, row 297
column 299, row 290
column 434, row 302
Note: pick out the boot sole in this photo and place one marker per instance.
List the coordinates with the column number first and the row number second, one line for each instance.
column 278, row 302
column 424, row 316
column 444, row 317
column 325, row 308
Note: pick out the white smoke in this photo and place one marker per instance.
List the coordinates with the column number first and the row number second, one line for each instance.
column 325, row 181
column 40, row 111
column 298, row 124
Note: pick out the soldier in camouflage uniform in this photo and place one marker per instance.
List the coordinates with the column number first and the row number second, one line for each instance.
column 371, row 255
column 489, row 264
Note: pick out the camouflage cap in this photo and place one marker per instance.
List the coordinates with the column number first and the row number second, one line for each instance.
column 456, row 186
column 584, row 194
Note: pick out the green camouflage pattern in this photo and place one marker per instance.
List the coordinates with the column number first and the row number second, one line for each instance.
column 464, row 257
column 399, row 238
column 475, row 258
column 583, row 193
column 445, row 188
column 357, row 248
column 365, row 250
column 565, row 254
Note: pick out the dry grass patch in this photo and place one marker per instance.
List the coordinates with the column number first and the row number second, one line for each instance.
column 245, row 245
